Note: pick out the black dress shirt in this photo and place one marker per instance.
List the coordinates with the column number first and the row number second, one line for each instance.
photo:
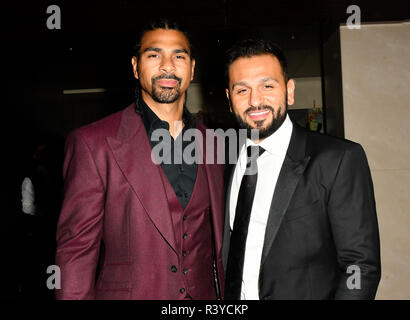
column 181, row 176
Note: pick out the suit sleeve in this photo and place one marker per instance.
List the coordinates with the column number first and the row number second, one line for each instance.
column 79, row 229
column 353, row 219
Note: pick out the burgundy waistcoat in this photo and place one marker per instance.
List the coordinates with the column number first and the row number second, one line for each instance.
column 193, row 234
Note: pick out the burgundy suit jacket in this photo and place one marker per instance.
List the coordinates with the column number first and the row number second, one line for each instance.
column 114, row 196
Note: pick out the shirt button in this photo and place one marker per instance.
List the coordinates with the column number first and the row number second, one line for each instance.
column 185, row 236
column 174, row 269
column 182, row 290
column 184, row 253
column 181, row 168
column 184, row 217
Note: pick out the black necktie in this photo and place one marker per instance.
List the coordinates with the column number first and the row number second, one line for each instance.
column 239, row 233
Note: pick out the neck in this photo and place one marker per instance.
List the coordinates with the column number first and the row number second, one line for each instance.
column 255, row 141
column 169, row 112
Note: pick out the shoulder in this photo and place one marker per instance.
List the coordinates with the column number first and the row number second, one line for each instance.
column 323, row 149
column 321, row 143
column 332, row 157
column 330, row 153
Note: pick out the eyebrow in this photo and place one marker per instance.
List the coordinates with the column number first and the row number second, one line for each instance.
column 244, row 83
column 181, row 51
column 269, row 79
column 155, row 49
column 152, row 49
column 240, row 83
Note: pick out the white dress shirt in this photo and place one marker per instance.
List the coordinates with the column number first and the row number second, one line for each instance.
column 269, row 165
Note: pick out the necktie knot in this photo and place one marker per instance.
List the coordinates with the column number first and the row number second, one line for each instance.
column 253, row 153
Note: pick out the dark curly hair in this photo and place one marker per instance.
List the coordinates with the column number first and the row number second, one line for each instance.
column 162, row 23
column 254, row 47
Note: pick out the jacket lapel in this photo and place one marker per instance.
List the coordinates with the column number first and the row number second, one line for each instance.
column 227, row 226
column 213, row 174
column 294, row 165
column 230, row 170
column 132, row 151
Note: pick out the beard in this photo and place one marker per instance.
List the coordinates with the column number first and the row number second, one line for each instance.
column 166, row 94
column 264, row 132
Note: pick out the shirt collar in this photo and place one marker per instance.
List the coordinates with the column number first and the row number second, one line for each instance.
column 152, row 121
column 278, row 142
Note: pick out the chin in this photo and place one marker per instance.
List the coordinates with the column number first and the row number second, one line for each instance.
column 260, row 125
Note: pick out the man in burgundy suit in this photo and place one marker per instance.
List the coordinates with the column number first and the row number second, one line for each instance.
column 131, row 228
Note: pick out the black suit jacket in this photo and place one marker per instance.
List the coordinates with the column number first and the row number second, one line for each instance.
column 321, row 221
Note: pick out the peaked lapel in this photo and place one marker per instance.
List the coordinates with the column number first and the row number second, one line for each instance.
column 213, row 172
column 294, row 165
column 227, row 223
column 232, row 168
column 132, row 152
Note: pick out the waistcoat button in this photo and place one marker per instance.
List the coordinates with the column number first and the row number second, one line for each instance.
column 174, row 269
column 182, row 290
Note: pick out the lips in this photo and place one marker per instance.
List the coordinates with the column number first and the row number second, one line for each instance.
column 167, row 82
column 258, row 115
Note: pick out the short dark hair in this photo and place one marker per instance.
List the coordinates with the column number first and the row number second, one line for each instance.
column 162, row 23
column 254, row 47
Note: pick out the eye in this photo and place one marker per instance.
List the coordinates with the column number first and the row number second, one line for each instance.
column 241, row 91
column 268, row 86
column 153, row 55
column 180, row 57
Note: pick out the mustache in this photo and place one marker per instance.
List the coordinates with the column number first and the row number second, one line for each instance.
column 167, row 77
column 258, row 108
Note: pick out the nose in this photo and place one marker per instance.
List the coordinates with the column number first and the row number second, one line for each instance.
column 167, row 65
column 255, row 98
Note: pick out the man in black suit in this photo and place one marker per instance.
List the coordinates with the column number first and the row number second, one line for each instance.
column 302, row 225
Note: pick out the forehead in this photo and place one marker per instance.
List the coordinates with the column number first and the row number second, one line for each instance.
column 165, row 39
column 255, row 68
